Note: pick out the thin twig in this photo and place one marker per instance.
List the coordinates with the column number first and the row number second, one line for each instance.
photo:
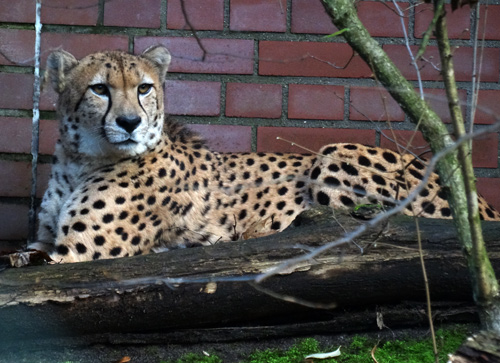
column 476, row 75
column 407, row 42
column 35, row 124
column 192, row 28
column 292, row 299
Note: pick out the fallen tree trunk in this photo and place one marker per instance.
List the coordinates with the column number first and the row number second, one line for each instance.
column 181, row 294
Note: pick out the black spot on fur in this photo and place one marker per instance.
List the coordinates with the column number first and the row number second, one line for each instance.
column 115, row 251
column 62, row 250
column 99, row 204
column 349, row 169
column 276, row 225
column 424, row 193
column 364, row 161
column 323, row 198
column 416, row 174
column 333, row 167
column 120, row 200
column 446, row 212
column 428, row 207
column 417, row 164
column 80, row 248
column 378, row 179
column 282, row 190
column 380, row 167
column 346, row 201
column 389, row 157
column 108, row 218
column 315, row 173
column 329, row 150
column 331, row 181
column 359, row 190
column 79, row 227
column 99, row 240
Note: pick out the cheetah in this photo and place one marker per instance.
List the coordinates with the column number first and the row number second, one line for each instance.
column 127, row 181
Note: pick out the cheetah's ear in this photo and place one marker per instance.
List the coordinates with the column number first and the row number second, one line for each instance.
column 161, row 57
column 59, row 63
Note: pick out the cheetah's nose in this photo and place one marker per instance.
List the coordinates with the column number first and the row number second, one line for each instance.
column 128, row 123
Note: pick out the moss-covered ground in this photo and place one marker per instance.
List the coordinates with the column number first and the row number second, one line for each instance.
column 408, row 345
column 359, row 350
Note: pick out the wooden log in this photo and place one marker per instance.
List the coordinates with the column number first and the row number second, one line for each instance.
column 181, row 293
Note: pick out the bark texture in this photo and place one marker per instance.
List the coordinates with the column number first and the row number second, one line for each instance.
column 204, row 293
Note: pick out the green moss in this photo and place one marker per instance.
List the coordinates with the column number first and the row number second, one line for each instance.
column 199, row 358
column 295, row 354
column 357, row 351
column 411, row 351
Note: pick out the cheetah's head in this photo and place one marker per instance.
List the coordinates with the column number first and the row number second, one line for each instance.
column 110, row 103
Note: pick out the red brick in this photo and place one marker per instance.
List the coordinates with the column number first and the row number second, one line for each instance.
column 253, row 100
column 226, row 56
column 458, row 21
column 16, row 135
column 70, row 12
column 16, row 90
column 488, row 107
column 484, row 149
column 491, row 29
column 436, row 98
column 373, row 14
column 462, row 58
column 48, row 98
column 17, row 47
column 43, row 174
column 18, row 180
column 407, row 139
column 311, row 138
column 13, row 221
column 81, row 45
column 19, row 11
column 49, row 133
column 226, row 138
column 310, row 59
column 203, row 15
column 373, row 104
column 310, row 17
column 316, row 102
column 130, row 13
column 258, row 15
column 488, row 188
column 192, row 98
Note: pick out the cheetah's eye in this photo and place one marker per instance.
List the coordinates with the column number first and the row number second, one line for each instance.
column 144, row 88
column 99, row 89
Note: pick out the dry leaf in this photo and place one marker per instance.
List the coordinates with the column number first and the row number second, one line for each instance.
column 124, row 360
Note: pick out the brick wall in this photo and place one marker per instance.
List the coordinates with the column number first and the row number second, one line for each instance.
column 269, row 72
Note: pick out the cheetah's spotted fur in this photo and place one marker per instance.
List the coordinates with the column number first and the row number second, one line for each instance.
column 124, row 182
